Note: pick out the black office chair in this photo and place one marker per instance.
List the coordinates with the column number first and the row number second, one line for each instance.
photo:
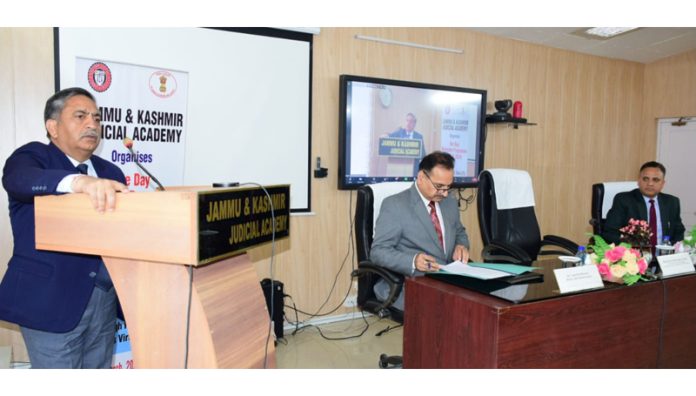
column 508, row 223
column 603, row 198
column 369, row 202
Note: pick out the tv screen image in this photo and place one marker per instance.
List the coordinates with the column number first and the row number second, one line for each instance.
column 387, row 126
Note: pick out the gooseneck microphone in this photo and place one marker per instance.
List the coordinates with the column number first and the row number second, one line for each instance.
column 128, row 142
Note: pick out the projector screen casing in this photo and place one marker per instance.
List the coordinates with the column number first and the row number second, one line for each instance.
column 249, row 105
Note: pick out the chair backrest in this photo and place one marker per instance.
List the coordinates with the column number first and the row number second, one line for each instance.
column 603, row 198
column 367, row 209
column 369, row 203
column 506, row 209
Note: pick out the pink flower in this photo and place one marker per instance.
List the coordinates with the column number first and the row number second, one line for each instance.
column 603, row 269
column 642, row 266
column 615, row 254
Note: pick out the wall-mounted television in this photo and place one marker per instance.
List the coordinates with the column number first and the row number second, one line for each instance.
column 387, row 126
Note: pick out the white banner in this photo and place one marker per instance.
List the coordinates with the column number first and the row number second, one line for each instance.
column 147, row 105
column 123, row 356
column 457, row 136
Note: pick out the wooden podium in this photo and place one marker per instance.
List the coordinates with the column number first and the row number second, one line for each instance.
column 159, row 247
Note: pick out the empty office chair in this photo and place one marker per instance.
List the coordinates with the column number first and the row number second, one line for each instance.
column 367, row 208
column 603, row 198
column 508, row 223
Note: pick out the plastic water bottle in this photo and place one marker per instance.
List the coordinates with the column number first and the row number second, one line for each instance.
column 581, row 254
column 665, row 242
column 588, row 259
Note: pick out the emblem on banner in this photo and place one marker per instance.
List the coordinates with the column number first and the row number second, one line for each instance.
column 163, row 84
column 99, row 77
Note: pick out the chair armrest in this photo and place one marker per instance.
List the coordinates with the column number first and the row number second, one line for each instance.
column 393, row 279
column 388, row 275
column 554, row 240
column 498, row 251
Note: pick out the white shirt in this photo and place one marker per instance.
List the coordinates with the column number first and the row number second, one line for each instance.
column 657, row 213
column 426, row 202
column 65, row 185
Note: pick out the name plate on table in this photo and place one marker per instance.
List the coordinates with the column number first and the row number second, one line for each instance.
column 675, row 264
column 234, row 220
column 578, row 278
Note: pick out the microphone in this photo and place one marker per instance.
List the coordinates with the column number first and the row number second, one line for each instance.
column 128, row 142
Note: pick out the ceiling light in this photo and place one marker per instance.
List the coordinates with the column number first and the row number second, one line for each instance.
column 608, row 32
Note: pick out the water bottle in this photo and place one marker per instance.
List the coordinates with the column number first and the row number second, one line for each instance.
column 582, row 255
column 665, row 243
column 588, row 260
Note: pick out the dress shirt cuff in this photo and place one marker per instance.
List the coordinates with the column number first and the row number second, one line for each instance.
column 413, row 264
column 65, row 185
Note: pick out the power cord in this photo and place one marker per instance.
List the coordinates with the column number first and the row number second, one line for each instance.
column 467, row 200
column 367, row 326
column 270, row 321
column 188, row 315
column 350, row 252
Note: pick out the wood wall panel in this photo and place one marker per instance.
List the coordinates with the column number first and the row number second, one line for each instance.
column 595, row 115
column 573, row 97
column 669, row 92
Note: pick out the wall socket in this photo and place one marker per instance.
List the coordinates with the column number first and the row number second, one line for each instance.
column 351, row 301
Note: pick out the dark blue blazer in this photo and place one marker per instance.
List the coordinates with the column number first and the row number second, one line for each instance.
column 631, row 205
column 44, row 290
column 401, row 133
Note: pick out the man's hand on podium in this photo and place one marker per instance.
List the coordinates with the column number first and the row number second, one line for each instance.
column 102, row 192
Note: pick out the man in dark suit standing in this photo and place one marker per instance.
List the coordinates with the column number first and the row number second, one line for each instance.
column 419, row 229
column 648, row 203
column 65, row 304
column 409, row 132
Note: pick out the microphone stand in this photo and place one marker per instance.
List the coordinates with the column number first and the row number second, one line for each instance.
column 160, row 187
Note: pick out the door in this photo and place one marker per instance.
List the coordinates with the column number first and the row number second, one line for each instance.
column 676, row 150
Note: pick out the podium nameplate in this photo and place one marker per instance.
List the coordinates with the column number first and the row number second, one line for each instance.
column 231, row 221
column 401, row 148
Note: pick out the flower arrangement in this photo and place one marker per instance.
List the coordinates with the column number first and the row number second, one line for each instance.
column 636, row 233
column 619, row 263
column 690, row 238
column 688, row 245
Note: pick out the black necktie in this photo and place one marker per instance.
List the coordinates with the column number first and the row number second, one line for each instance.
column 652, row 221
column 82, row 168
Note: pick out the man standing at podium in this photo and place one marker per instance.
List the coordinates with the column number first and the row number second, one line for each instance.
column 409, row 132
column 419, row 229
column 64, row 303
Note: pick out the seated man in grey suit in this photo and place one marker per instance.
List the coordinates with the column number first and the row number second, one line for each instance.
column 645, row 202
column 419, row 229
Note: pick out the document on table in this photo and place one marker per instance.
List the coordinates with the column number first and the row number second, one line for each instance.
column 513, row 269
column 459, row 268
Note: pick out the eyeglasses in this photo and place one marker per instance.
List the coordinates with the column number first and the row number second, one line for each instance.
column 439, row 187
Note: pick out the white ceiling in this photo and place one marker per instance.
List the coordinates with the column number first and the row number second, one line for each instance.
column 644, row 45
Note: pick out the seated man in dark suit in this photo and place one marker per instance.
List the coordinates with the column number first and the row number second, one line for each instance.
column 64, row 303
column 419, row 229
column 648, row 203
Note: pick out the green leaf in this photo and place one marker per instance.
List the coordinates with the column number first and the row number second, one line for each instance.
column 631, row 279
column 600, row 246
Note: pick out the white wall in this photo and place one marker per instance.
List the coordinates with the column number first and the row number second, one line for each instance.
column 26, row 81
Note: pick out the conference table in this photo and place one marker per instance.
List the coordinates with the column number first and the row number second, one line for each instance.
column 458, row 322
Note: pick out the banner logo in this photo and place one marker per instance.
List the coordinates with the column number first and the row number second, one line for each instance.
column 99, row 77
column 163, row 84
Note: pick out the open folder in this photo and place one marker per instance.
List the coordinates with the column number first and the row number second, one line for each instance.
column 484, row 271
